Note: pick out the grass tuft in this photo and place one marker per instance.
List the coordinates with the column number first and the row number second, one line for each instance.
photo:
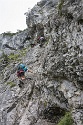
column 12, row 84
column 66, row 120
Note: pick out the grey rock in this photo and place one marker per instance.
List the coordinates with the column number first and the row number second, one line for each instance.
column 56, row 86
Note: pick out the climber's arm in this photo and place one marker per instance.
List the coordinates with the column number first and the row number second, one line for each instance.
column 30, row 71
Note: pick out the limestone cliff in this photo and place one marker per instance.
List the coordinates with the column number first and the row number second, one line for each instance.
column 56, row 86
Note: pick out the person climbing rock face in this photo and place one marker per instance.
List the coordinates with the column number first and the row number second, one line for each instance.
column 21, row 69
column 41, row 40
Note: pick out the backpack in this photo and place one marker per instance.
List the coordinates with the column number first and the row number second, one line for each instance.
column 19, row 72
column 22, row 67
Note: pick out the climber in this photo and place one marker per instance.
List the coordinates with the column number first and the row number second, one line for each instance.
column 41, row 40
column 21, row 69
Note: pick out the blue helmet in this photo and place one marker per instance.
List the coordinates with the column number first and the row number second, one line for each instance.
column 22, row 66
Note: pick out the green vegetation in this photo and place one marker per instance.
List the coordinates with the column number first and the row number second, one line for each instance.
column 13, row 57
column 23, row 52
column 8, row 33
column 17, row 57
column 60, row 5
column 66, row 120
column 6, row 59
column 12, row 84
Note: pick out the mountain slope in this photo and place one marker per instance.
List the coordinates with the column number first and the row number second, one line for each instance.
column 56, row 86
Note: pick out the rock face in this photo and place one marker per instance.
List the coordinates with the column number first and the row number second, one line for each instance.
column 56, row 86
column 10, row 42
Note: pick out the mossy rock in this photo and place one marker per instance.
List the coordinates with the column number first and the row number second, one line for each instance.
column 60, row 5
column 11, row 84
